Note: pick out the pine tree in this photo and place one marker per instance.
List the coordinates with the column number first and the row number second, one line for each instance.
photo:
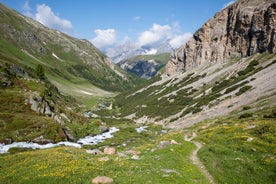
column 39, row 71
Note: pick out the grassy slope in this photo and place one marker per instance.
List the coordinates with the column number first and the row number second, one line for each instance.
column 162, row 59
column 240, row 149
column 189, row 99
column 19, row 122
column 79, row 64
column 229, row 154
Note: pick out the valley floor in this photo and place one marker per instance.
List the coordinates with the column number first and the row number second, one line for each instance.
column 232, row 150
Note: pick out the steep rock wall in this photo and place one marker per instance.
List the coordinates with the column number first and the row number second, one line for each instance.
column 240, row 30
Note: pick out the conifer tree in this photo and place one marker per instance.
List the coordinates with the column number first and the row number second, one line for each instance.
column 39, row 71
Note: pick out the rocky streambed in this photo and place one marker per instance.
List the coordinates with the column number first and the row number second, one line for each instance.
column 88, row 140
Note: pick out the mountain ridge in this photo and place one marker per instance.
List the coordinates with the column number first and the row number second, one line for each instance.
column 128, row 50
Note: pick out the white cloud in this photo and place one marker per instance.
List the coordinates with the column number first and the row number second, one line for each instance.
column 160, row 33
column 27, row 9
column 179, row 40
column 155, row 34
column 136, row 18
column 104, row 38
column 48, row 18
column 228, row 4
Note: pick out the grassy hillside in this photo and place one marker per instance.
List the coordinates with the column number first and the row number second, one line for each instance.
column 200, row 90
column 67, row 61
column 240, row 148
column 21, row 123
column 160, row 58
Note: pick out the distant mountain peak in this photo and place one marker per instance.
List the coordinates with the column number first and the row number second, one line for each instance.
column 128, row 49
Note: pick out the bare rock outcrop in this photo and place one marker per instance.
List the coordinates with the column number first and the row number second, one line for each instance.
column 240, row 30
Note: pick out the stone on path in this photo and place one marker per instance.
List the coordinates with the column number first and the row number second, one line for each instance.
column 94, row 152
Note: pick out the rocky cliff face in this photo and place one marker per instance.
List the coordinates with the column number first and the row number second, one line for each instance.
column 240, row 30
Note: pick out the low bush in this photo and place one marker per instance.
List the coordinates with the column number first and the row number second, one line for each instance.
column 271, row 115
column 243, row 90
column 246, row 115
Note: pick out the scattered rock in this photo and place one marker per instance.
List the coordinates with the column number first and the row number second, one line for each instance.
column 253, row 149
column 6, row 81
column 103, row 159
column 249, row 139
column 58, row 120
column 141, row 129
column 47, row 110
column 67, row 134
column 65, row 117
column 35, row 101
column 103, row 129
column 174, row 142
column 94, row 152
column 109, row 151
column 133, row 152
column 164, row 144
column 42, row 140
column 248, row 127
column 102, row 180
column 135, row 157
column 122, row 154
column 19, row 71
column 89, row 114
column 169, row 171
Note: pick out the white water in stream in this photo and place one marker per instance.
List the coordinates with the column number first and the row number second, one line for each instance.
column 88, row 140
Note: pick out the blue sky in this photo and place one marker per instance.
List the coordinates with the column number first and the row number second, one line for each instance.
column 109, row 22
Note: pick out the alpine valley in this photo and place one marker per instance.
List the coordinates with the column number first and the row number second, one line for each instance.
column 205, row 114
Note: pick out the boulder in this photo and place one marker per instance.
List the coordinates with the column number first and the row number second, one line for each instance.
column 69, row 136
column 109, row 151
column 102, row 180
column 94, row 152
column 42, row 140
column 103, row 129
column 7, row 141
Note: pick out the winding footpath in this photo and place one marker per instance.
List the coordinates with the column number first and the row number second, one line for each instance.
column 196, row 160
